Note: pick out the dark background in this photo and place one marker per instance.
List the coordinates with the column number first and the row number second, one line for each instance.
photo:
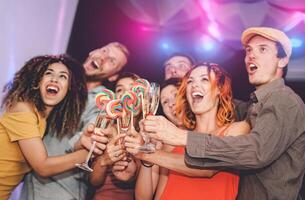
column 100, row 22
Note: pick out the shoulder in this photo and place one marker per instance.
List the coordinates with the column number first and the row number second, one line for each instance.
column 285, row 96
column 238, row 128
column 21, row 107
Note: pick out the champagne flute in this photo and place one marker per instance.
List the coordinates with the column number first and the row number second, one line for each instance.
column 150, row 107
column 101, row 122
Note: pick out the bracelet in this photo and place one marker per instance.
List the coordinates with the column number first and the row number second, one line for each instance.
column 145, row 164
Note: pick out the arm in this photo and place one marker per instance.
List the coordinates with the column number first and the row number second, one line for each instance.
column 163, row 177
column 113, row 153
column 32, row 147
column 147, row 181
column 35, row 153
column 97, row 177
column 271, row 135
column 164, row 159
column 175, row 162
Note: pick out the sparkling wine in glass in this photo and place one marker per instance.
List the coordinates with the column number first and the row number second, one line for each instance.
column 150, row 107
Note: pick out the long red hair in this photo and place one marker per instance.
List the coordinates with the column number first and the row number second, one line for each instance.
column 222, row 81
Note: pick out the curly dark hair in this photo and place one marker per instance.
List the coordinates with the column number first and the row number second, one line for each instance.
column 65, row 116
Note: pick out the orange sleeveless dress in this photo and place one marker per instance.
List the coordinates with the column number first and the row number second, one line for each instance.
column 222, row 186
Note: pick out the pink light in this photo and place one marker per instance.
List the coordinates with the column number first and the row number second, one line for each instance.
column 213, row 30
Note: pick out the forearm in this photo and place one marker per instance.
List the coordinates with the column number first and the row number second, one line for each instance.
column 251, row 151
column 98, row 176
column 54, row 165
column 144, row 186
column 175, row 162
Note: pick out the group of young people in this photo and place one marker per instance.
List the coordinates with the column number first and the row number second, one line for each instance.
column 207, row 147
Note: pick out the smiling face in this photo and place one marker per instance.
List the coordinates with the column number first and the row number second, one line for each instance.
column 262, row 63
column 104, row 62
column 177, row 67
column 168, row 102
column 54, row 84
column 199, row 93
column 123, row 85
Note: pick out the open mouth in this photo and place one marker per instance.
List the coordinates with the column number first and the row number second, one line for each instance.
column 197, row 97
column 52, row 90
column 252, row 67
column 95, row 64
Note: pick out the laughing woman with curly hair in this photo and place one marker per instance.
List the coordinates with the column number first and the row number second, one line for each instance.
column 48, row 92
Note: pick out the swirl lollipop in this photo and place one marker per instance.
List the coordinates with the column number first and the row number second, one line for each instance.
column 141, row 88
column 114, row 109
column 103, row 97
column 143, row 82
column 131, row 102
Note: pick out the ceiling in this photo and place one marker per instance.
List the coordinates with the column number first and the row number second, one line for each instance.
column 207, row 30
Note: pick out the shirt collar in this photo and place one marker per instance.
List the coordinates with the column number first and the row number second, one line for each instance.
column 96, row 89
column 268, row 88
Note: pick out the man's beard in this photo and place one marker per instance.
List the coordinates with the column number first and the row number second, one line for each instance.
column 93, row 78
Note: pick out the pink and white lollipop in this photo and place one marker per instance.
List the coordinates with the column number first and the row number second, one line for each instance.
column 114, row 109
column 103, row 97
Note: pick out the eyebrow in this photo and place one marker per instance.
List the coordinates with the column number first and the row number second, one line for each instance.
column 182, row 61
column 62, row 72
column 118, row 85
column 260, row 45
column 203, row 75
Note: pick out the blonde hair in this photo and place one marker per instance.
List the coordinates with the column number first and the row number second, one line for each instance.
column 122, row 47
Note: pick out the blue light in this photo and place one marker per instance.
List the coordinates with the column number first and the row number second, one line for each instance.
column 165, row 45
column 207, row 43
column 295, row 42
column 208, row 46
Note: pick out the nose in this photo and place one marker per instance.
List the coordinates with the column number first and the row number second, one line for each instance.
column 54, row 79
column 173, row 70
column 195, row 84
column 251, row 54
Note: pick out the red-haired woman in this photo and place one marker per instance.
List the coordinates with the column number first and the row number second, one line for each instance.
column 205, row 103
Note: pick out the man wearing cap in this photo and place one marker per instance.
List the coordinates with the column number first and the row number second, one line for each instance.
column 271, row 158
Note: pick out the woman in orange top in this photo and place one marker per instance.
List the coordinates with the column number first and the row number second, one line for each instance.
column 49, row 91
column 205, row 103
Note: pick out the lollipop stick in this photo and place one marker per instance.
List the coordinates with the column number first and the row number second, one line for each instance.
column 118, row 127
column 143, row 106
column 131, row 120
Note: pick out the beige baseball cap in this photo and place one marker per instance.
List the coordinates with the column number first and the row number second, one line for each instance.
column 269, row 33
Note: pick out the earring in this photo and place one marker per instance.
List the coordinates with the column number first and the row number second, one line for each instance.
column 35, row 87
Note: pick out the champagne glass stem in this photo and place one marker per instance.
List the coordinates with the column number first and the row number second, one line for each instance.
column 90, row 152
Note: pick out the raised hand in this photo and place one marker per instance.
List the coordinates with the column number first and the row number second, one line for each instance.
column 159, row 128
column 133, row 140
column 113, row 153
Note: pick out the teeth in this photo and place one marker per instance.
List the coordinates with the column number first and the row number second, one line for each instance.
column 96, row 64
column 196, row 94
column 252, row 67
column 52, row 88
